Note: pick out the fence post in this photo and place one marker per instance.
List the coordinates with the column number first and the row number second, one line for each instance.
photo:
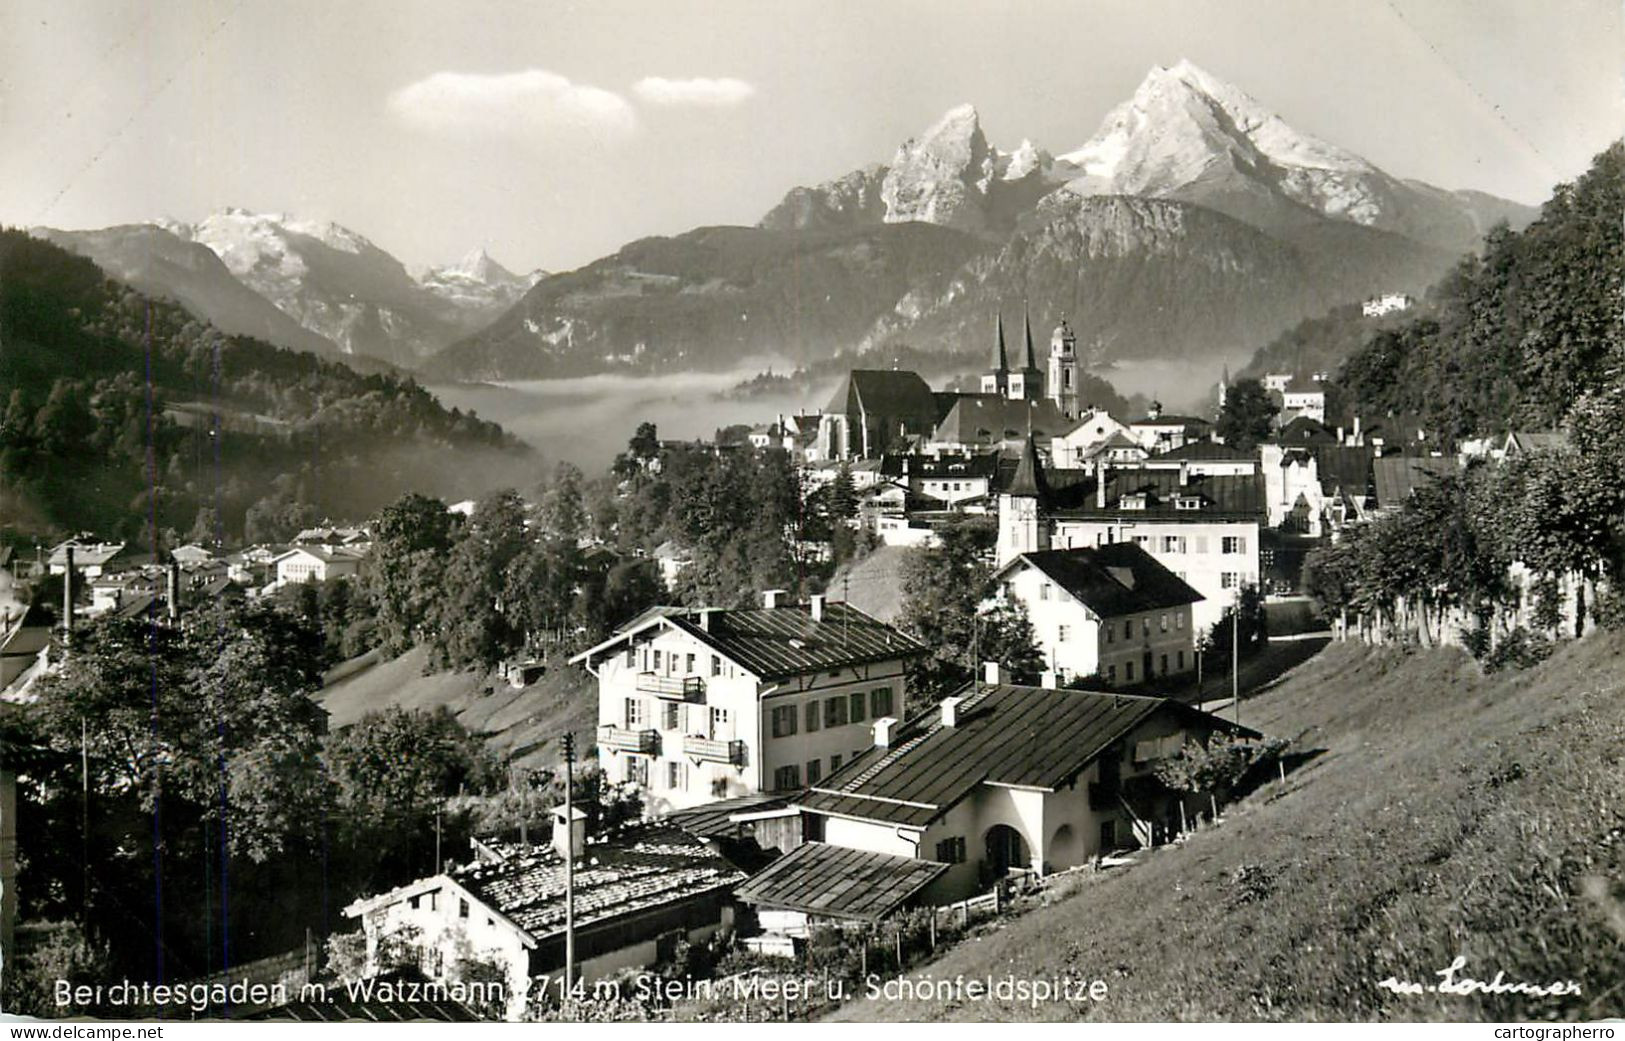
column 933, row 928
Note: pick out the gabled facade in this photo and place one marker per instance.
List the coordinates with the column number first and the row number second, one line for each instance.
column 701, row 704
column 1002, row 777
column 1077, row 444
column 320, row 563
column 1205, row 529
column 1111, row 612
column 634, row 893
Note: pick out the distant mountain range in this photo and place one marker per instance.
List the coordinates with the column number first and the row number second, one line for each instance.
column 301, row 284
column 1194, row 223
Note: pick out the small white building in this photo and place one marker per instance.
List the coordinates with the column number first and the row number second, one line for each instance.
column 319, row 563
column 1112, row 612
column 995, row 779
column 635, row 894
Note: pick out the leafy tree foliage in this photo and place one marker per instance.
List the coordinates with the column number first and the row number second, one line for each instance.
column 1248, row 416
column 946, row 590
column 1519, row 332
column 123, row 412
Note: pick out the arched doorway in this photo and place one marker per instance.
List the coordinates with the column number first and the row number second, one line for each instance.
column 1005, row 850
column 1064, row 849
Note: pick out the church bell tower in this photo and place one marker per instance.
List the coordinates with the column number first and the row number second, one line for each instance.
column 1063, row 369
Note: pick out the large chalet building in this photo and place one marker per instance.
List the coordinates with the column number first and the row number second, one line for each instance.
column 700, row 704
column 997, row 778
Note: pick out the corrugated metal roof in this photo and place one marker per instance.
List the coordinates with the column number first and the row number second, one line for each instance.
column 1029, row 737
column 782, row 641
column 715, row 819
column 839, row 882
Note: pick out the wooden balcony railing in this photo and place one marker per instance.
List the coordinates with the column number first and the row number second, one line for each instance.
column 707, row 750
column 688, row 688
column 621, row 739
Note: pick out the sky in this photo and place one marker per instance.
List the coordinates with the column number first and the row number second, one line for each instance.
column 551, row 133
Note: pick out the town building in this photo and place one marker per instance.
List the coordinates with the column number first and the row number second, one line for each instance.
column 700, row 704
column 874, row 410
column 319, row 562
column 1110, row 612
column 944, row 481
column 995, row 779
column 1078, row 444
column 1385, row 304
column 91, row 559
column 636, row 894
column 1160, row 431
column 1203, row 528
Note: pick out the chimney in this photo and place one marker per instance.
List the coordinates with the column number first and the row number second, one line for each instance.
column 172, row 591
column 1050, row 680
column 67, row 592
column 705, row 618
column 571, row 836
column 995, row 673
column 1184, row 472
column 770, row 598
column 882, row 729
column 1100, row 484
column 818, row 608
column 950, row 711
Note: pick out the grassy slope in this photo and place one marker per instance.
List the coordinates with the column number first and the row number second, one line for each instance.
column 1451, row 813
column 530, row 720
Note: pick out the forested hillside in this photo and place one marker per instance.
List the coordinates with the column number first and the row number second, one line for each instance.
column 1519, row 332
column 127, row 416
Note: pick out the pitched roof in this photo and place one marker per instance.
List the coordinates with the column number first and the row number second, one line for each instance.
column 780, row 641
column 1222, row 496
column 717, row 819
column 1306, row 430
column 1030, row 737
column 839, row 882
column 648, row 867
column 984, row 419
column 1112, row 580
column 1166, row 420
column 1398, row 476
column 872, row 584
column 884, row 392
column 1207, row 449
column 952, row 467
column 86, row 554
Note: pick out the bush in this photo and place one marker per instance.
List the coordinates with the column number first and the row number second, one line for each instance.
column 1519, row 649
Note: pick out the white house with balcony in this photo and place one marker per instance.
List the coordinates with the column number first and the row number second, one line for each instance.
column 1110, row 612
column 699, row 704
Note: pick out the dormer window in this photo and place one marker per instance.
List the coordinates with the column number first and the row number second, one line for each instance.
column 1188, row 502
column 1135, row 501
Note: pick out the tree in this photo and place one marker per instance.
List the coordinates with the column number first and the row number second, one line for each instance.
column 412, row 539
column 946, row 590
column 1248, row 415
column 393, row 767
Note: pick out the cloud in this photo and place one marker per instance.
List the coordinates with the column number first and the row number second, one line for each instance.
column 533, row 105
column 699, row 91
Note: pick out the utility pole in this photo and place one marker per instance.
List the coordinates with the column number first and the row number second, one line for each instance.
column 84, row 820
column 569, row 863
column 1235, row 656
column 438, row 864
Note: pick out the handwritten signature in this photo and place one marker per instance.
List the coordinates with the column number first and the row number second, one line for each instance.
column 1451, row 983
